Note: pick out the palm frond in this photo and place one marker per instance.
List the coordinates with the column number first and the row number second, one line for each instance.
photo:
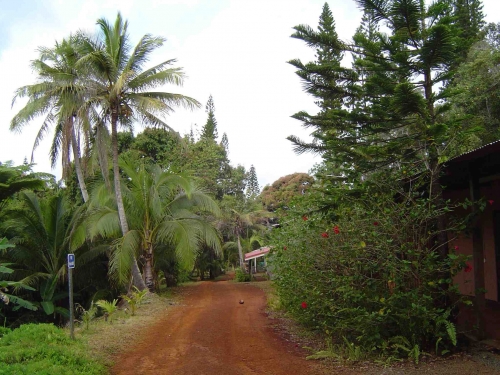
column 141, row 52
column 123, row 252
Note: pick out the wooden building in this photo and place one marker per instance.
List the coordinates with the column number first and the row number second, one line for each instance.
column 475, row 176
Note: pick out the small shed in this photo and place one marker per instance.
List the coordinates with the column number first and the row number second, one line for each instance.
column 475, row 175
column 262, row 252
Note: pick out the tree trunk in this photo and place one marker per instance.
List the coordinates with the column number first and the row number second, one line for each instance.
column 78, row 166
column 137, row 280
column 149, row 277
column 436, row 196
column 240, row 251
column 436, row 191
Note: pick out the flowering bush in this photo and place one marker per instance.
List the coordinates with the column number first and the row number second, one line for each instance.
column 374, row 283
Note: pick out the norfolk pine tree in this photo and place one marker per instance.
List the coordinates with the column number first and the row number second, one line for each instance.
column 253, row 189
column 394, row 96
column 209, row 131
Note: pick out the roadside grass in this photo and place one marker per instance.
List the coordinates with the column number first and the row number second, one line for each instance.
column 45, row 349
column 106, row 339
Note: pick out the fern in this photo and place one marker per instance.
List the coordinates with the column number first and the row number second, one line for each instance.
column 452, row 332
column 414, row 354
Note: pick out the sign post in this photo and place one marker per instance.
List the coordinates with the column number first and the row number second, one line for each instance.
column 71, row 265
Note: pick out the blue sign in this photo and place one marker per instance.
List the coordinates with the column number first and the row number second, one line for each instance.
column 71, row 260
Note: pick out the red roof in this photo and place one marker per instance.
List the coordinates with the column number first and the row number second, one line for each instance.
column 257, row 253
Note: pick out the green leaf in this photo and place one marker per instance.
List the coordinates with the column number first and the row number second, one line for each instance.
column 48, row 307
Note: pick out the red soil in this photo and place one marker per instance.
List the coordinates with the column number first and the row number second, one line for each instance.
column 212, row 333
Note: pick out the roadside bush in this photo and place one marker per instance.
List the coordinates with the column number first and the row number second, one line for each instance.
column 44, row 349
column 241, row 276
column 373, row 278
column 4, row 331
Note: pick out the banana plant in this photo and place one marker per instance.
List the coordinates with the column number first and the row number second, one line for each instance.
column 50, row 297
column 7, row 298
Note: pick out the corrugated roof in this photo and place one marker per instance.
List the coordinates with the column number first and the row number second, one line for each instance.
column 257, row 253
column 471, row 154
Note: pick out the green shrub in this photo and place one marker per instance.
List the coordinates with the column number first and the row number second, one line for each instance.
column 241, row 276
column 44, row 349
column 4, row 331
column 373, row 277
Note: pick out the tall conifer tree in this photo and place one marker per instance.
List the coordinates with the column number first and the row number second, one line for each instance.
column 225, row 142
column 253, row 189
column 209, row 131
column 391, row 112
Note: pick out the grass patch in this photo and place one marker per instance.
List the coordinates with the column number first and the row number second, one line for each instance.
column 106, row 339
column 44, row 349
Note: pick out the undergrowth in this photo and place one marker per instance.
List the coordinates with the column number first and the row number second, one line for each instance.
column 44, row 349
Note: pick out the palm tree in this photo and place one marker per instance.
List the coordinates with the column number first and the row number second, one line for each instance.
column 163, row 209
column 58, row 95
column 242, row 224
column 119, row 86
column 14, row 179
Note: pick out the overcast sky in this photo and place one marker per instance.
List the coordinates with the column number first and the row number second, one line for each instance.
column 235, row 50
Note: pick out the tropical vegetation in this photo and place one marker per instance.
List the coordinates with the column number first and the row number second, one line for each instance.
column 360, row 246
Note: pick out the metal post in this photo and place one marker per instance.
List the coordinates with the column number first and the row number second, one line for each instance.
column 71, row 312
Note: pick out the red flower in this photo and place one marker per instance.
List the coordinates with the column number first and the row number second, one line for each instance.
column 456, row 247
column 336, row 229
column 375, row 223
column 304, row 218
column 284, row 248
column 491, row 201
column 468, row 267
column 303, row 305
column 324, row 235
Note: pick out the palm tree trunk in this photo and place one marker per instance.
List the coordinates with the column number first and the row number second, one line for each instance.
column 78, row 166
column 148, row 269
column 240, row 251
column 137, row 280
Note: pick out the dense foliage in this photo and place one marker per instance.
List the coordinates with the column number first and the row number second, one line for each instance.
column 365, row 256
column 373, row 275
column 281, row 192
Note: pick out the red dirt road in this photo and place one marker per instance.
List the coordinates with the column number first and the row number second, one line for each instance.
column 211, row 333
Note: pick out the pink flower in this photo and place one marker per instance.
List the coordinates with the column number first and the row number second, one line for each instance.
column 491, row 201
column 303, row 305
column 304, row 218
column 468, row 267
column 336, row 229
column 324, row 235
column 456, row 247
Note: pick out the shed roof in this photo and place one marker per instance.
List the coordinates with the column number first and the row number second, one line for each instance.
column 257, row 253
